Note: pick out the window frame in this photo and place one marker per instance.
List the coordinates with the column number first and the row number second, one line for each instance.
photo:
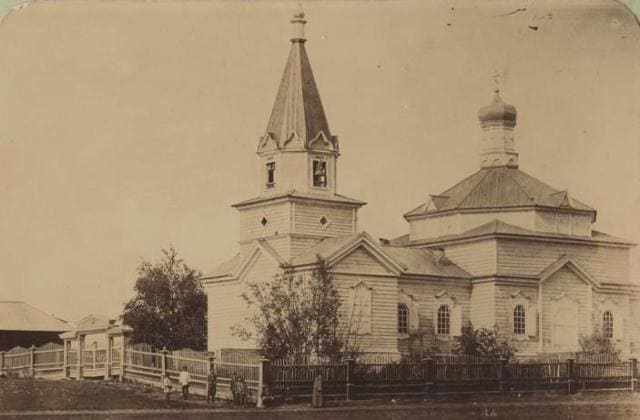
column 403, row 327
column 443, row 320
column 325, row 165
column 608, row 324
column 270, row 174
column 519, row 319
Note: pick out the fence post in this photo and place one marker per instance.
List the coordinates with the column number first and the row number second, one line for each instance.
column 349, row 377
column 2, row 362
column 263, row 367
column 163, row 363
column 502, row 365
column 571, row 375
column 633, row 365
column 427, row 361
column 32, row 360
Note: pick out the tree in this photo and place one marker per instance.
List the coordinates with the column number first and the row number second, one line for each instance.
column 483, row 342
column 597, row 343
column 297, row 316
column 170, row 306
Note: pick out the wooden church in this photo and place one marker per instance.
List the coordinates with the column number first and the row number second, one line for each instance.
column 500, row 248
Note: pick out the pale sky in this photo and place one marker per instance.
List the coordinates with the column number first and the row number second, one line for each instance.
column 130, row 126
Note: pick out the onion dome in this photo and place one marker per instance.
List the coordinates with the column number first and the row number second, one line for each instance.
column 498, row 111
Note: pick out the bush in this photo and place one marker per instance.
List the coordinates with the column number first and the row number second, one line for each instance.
column 484, row 342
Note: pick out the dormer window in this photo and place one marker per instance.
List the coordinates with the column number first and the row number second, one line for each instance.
column 271, row 174
column 320, row 173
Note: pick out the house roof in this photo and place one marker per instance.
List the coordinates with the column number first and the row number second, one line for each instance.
column 93, row 322
column 496, row 188
column 336, row 198
column 20, row 316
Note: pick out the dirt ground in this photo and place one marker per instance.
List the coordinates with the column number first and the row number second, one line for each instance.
column 30, row 398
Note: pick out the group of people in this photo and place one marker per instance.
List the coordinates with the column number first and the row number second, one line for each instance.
column 239, row 387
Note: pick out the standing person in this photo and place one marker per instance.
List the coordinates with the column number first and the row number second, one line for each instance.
column 212, row 382
column 166, row 386
column 317, row 400
column 242, row 385
column 234, row 387
column 184, row 380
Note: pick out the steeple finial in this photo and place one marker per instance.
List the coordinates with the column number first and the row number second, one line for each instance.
column 298, row 25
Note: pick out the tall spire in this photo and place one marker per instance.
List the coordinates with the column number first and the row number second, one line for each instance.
column 497, row 121
column 298, row 119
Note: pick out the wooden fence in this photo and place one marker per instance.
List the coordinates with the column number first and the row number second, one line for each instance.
column 450, row 374
column 348, row 380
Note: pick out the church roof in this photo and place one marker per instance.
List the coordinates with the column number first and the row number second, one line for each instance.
column 496, row 188
column 336, row 198
column 501, row 228
column 422, row 261
column 298, row 109
column 20, row 316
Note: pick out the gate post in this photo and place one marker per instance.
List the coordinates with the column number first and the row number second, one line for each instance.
column 32, row 360
column 107, row 362
column 349, row 378
column 263, row 366
column 427, row 361
column 633, row 365
column 2, row 362
column 502, row 365
column 65, row 359
column 163, row 364
column 80, row 361
column 571, row 375
column 123, row 348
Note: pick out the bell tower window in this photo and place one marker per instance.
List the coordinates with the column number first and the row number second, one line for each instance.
column 320, row 173
column 271, row 174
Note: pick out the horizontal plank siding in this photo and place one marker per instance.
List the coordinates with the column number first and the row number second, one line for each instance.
column 530, row 258
column 307, row 220
column 483, row 305
column 477, row 258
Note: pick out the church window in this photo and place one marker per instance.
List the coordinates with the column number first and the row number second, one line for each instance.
column 264, row 221
column 271, row 174
column 320, row 173
column 324, row 222
column 443, row 320
column 360, row 308
column 403, row 319
column 519, row 320
column 607, row 324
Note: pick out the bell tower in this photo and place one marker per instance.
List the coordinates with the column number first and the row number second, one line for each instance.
column 298, row 204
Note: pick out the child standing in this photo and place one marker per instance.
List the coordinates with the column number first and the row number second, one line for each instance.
column 184, row 380
column 166, row 386
column 212, row 382
column 233, row 384
column 242, row 385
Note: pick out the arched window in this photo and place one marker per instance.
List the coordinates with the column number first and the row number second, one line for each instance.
column 443, row 320
column 403, row 319
column 607, row 324
column 519, row 320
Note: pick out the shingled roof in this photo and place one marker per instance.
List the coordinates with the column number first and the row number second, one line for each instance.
column 499, row 187
column 20, row 316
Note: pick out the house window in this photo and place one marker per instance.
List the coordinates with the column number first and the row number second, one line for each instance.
column 519, row 320
column 607, row 324
column 320, row 173
column 443, row 320
column 403, row 319
column 271, row 174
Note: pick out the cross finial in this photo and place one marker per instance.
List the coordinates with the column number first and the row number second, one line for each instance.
column 496, row 80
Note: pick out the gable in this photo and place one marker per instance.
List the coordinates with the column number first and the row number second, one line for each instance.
column 260, row 267
column 362, row 261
